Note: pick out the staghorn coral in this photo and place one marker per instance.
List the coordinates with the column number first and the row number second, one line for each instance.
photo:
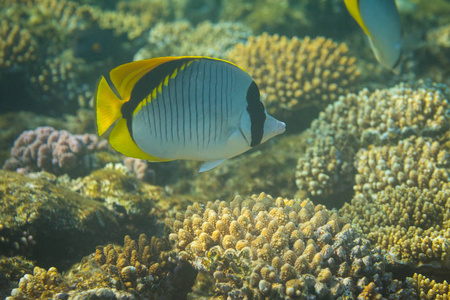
column 181, row 38
column 58, row 152
column 293, row 74
column 264, row 247
column 378, row 118
column 140, row 269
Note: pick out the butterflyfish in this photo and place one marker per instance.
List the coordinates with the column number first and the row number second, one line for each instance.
column 186, row 107
column 380, row 21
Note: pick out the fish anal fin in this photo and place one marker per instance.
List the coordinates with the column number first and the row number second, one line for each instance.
column 211, row 165
column 122, row 142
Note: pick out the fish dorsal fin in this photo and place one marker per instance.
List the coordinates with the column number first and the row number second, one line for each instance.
column 122, row 142
column 353, row 9
column 124, row 77
column 211, row 165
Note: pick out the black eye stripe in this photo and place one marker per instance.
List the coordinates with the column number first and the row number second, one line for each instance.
column 255, row 109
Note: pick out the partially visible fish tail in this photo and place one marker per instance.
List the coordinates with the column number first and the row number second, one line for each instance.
column 107, row 106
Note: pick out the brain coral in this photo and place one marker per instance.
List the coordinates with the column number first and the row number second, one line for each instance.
column 276, row 248
column 293, row 74
column 378, row 118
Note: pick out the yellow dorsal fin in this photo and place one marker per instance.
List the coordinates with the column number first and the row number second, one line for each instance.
column 353, row 9
column 124, row 77
column 122, row 142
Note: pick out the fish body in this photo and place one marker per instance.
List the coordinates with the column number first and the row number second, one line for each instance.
column 189, row 107
column 380, row 21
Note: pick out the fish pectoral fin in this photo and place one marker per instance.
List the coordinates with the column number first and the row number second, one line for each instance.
column 211, row 165
column 122, row 142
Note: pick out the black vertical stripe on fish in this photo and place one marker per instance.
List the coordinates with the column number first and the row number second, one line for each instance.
column 178, row 110
column 157, row 102
column 171, row 104
column 184, row 98
column 145, row 85
column 205, row 84
column 210, row 95
column 216, row 100
column 147, row 114
column 225, row 95
column 196, row 102
column 155, row 124
column 255, row 109
column 189, row 100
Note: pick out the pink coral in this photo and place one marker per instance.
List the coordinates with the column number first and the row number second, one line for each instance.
column 50, row 150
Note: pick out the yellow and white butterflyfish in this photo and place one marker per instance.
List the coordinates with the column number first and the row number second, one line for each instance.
column 380, row 21
column 187, row 107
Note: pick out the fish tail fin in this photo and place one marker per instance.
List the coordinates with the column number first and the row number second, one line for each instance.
column 107, row 106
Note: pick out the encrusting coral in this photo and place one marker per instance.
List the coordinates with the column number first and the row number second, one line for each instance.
column 293, row 74
column 57, row 152
column 367, row 119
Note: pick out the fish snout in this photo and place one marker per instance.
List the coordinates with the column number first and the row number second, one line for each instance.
column 281, row 127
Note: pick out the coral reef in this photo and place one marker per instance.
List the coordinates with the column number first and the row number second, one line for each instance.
column 57, row 152
column 429, row 289
column 293, row 74
column 410, row 223
column 49, row 223
column 277, row 248
column 417, row 162
column 38, row 42
column 289, row 18
column 366, row 119
column 17, row 46
column 181, row 38
column 11, row 270
column 142, row 269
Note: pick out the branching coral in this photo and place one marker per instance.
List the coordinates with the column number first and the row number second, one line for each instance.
column 58, row 152
column 264, row 247
column 382, row 117
column 293, row 74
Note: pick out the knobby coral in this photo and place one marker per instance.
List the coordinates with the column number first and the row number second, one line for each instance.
column 57, row 152
column 367, row 119
column 293, row 74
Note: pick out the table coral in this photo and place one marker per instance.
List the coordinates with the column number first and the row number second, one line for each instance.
column 293, row 74
column 179, row 38
column 264, row 247
column 378, row 118
column 54, row 151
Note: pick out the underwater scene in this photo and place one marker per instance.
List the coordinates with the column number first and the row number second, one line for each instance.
column 213, row 149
